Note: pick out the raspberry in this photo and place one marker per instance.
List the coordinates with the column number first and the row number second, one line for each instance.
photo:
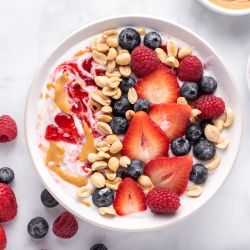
column 144, row 61
column 3, row 240
column 211, row 107
column 8, row 129
column 162, row 201
column 8, row 205
column 190, row 69
column 65, row 226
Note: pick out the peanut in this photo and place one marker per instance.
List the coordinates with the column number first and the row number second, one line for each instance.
column 132, row 95
column 104, row 128
column 99, row 165
column 98, row 180
column 185, row 51
column 124, row 161
column 194, row 191
column 113, row 164
column 115, row 147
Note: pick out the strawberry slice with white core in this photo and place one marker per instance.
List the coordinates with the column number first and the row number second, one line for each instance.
column 172, row 118
column 129, row 198
column 144, row 140
column 171, row 173
column 160, row 86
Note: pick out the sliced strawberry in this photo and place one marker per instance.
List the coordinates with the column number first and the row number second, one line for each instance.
column 129, row 198
column 160, row 86
column 172, row 173
column 172, row 118
column 144, row 140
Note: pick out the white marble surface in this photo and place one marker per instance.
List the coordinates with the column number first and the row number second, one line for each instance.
column 29, row 30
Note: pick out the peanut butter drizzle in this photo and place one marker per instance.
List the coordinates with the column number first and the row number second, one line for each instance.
column 60, row 96
column 232, row 4
column 88, row 145
column 55, row 154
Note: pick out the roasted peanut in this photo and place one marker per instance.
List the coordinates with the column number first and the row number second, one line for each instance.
column 106, row 109
column 113, row 164
column 132, row 95
column 98, row 180
column 145, row 181
column 125, row 70
column 107, row 211
column 104, row 128
column 129, row 114
column 124, row 161
column 101, row 81
column 84, row 192
column 172, row 48
column 115, row 147
column 194, row 191
column 185, row 51
column 112, row 54
column 212, row 133
column 229, row 117
column 99, row 165
column 123, row 59
column 214, row 163
column 111, row 139
column 99, row 57
column 104, row 118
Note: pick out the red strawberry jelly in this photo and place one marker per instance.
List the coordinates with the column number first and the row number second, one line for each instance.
column 54, row 133
column 87, row 64
column 66, row 123
column 76, row 91
column 100, row 72
column 73, row 68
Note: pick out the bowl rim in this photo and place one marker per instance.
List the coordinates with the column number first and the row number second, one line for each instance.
column 27, row 140
column 248, row 72
column 224, row 11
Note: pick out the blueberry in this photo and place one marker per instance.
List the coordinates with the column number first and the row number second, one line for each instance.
column 134, row 169
column 142, row 105
column 194, row 132
column 204, row 150
column 6, row 175
column 180, row 146
column 119, row 125
column 121, row 105
column 190, row 90
column 129, row 38
column 99, row 247
column 207, row 85
column 126, row 84
column 199, row 173
column 103, row 197
column 47, row 199
column 152, row 40
column 38, row 227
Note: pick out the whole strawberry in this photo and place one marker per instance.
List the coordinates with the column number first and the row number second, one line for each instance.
column 143, row 61
column 8, row 129
column 162, row 201
column 190, row 69
column 8, row 205
column 3, row 239
column 65, row 226
column 211, row 107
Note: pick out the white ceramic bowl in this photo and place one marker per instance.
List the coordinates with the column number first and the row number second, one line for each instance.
column 142, row 221
column 248, row 72
column 224, row 11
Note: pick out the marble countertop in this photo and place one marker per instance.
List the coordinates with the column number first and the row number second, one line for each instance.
column 29, row 30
